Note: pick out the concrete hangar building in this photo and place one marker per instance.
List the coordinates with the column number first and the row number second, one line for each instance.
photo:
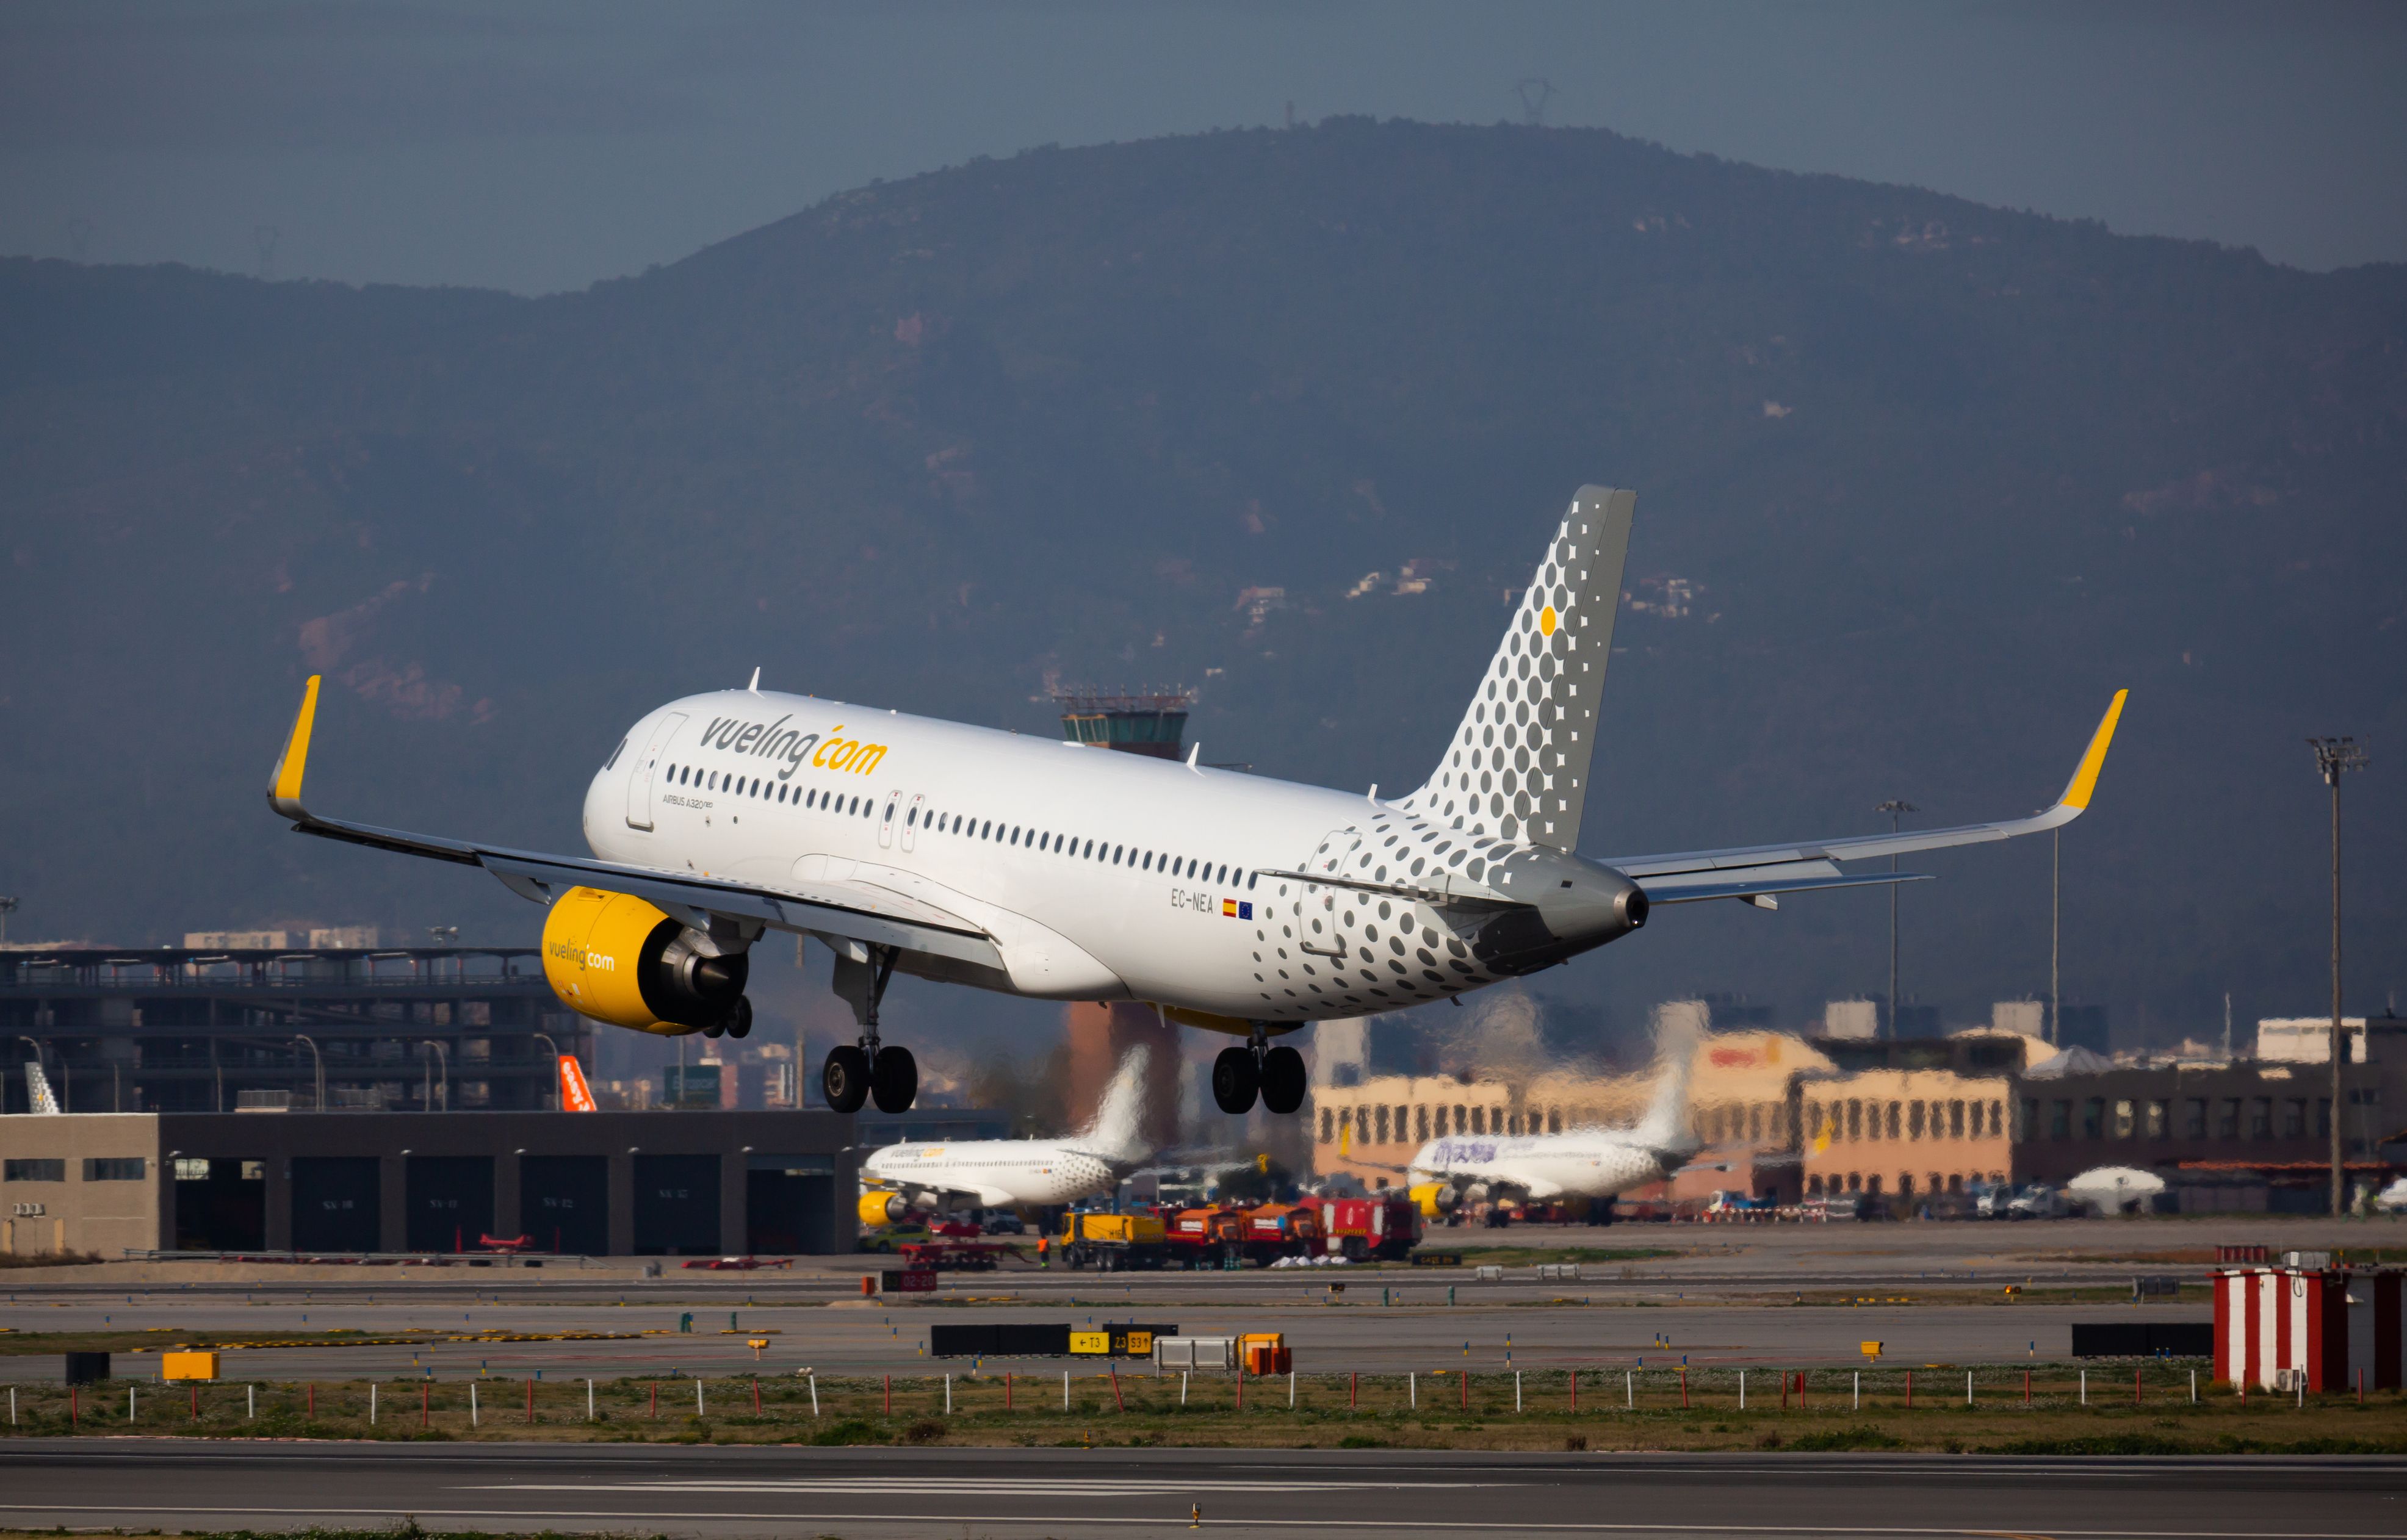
column 350, row 1098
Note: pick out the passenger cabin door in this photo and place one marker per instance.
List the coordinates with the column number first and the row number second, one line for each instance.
column 1323, row 914
column 641, row 774
column 911, row 822
column 886, row 820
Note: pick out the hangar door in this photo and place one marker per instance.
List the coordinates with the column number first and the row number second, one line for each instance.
column 334, row 1203
column 790, row 1204
column 565, row 1203
column 451, row 1201
column 220, row 1204
column 676, row 1205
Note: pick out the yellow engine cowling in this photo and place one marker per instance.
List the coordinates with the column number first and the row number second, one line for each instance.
column 617, row 959
column 1432, row 1198
column 882, row 1207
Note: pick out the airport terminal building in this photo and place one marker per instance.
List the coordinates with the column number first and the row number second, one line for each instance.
column 663, row 1184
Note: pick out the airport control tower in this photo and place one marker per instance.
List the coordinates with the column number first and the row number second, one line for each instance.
column 1152, row 723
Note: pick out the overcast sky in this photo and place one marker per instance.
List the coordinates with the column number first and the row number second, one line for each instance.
column 539, row 146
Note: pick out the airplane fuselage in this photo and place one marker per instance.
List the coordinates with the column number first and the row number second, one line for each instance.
column 1592, row 1163
column 993, row 1172
column 1100, row 875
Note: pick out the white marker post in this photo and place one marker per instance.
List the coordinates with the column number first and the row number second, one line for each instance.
column 948, row 1395
column 1630, row 1388
column 1065, row 1390
column 249, row 1403
column 1182, row 1387
column 697, row 1396
column 1968, row 1386
column 1413, row 1389
column 1742, row 1390
column 588, row 1400
column 1517, row 1392
column 815, row 1395
column 372, row 1408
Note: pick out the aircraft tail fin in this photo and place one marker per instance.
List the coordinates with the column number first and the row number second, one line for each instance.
column 1666, row 1125
column 1517, row 766
column 575, row 1094
column 1117, row 1133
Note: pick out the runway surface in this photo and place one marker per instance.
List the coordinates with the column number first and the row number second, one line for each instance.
column 703, row 1491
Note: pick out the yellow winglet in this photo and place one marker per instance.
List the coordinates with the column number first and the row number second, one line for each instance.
column 2085, row 776
column 284, row 783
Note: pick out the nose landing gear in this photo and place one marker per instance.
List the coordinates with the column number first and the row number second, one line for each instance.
column 867, row 1070
column 1241, row 1074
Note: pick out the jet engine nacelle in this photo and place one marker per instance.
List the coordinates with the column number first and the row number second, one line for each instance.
column 617, row 959
column 1432, row 1198
column 883, row 1207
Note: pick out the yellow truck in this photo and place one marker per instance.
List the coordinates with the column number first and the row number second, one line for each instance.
column 1113, row 1243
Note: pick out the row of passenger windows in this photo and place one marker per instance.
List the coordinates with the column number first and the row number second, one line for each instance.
column 1199, row 868
column 737, row 786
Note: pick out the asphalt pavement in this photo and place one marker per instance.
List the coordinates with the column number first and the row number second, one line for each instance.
column 142, row 1484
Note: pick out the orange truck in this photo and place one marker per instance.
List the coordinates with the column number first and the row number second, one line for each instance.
column 1278, row 1230
column 1204, row 1238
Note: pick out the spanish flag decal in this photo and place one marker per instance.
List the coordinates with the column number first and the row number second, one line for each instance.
column 1229, row 908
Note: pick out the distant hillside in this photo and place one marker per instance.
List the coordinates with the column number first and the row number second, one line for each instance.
column 1920, row 482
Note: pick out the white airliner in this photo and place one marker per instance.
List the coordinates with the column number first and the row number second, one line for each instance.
column 1060, row 872
column 1009, row 1173
column 1581, row 1163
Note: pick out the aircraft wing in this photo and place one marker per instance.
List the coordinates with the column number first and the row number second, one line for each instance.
column 855, row 910
column 1751, row 871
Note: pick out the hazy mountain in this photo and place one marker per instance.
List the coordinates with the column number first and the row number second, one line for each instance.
column 1920, row 483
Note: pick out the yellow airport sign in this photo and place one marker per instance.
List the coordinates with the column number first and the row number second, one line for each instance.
column 188, row 1365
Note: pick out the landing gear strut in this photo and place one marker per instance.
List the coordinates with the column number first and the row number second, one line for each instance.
column 1241, row 1074
column 866, row 1070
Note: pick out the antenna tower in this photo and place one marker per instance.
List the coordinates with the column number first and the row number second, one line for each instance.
column 1536, row 93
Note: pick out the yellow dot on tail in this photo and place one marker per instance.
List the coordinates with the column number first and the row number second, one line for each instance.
column 1547, row 620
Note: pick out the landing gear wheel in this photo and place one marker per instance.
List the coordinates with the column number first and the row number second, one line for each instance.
column 844, row 1080
column 739, row 1020
column 1235, row 1081
column 894, row 1079
column 1283, row 1079
column 714, row 1029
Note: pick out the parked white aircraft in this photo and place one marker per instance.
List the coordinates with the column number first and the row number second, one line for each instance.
column 1009, row 1173
column 1578, row 1162
column 1060, row 872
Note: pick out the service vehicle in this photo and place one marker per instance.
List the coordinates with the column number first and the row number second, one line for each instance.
column 1111, row 1243
column 1385, row 1226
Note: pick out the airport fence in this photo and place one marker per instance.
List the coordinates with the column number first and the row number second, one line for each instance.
column 808, row 1406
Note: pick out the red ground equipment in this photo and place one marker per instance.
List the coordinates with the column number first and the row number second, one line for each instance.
column 1278, row 1230
column 1385, row 1226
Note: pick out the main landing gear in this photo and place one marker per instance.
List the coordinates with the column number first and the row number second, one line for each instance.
column 866, row 1071
column 1277, row 1075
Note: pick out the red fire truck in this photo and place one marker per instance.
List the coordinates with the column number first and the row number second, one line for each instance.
column 1387, row 1226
